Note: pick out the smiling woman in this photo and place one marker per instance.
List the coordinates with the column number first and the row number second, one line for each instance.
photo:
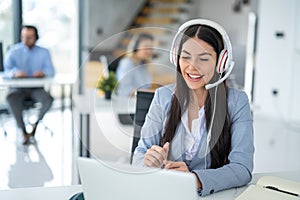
column 197, row 62
column 200, row 125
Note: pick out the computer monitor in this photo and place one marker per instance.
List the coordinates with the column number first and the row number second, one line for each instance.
column 1, row 57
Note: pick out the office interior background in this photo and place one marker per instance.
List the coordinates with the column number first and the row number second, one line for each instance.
column 266, row 48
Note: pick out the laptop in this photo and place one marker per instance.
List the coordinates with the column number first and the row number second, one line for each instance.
column 106, row 180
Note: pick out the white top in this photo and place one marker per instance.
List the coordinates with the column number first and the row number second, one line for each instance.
column 192, row 139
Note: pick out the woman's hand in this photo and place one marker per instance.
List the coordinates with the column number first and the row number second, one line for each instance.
column 156, row 155
column 181, row 166
column 178, row 166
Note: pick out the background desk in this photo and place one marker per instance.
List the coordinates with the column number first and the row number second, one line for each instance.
column 100, row 132
column 26, row 82
column 62, row 80
column 65, row 192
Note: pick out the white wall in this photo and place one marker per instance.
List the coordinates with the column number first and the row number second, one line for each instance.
column 235, row 23
column 110, row 17
column 236, row 26
column 277, row 65
column 295, row 93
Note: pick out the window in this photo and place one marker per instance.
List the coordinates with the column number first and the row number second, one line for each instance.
column 6, row 23
column 56, row 21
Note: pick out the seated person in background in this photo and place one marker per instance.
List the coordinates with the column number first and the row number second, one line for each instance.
column 200, row 125
column 132, row 70
column 23, row 60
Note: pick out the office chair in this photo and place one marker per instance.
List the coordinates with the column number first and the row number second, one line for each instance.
column 30, row 105
column 143, row 101
column 1, row 57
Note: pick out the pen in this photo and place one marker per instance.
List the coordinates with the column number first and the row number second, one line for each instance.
column 283, row 191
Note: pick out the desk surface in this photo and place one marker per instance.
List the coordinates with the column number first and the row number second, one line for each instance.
column 92, row 102
column 45, row 193
column 60, row 79
column 26, row 82
column 65, row 192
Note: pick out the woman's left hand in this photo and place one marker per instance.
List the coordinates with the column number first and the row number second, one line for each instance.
column 178, row 166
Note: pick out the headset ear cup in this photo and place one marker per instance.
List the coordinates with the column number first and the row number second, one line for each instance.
column 222, row 61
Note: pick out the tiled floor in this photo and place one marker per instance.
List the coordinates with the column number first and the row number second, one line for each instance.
column 50, row 162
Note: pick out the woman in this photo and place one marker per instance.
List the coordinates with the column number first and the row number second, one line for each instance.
column 195, row 127
column 132, row 70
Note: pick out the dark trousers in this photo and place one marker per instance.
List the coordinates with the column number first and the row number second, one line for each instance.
column 17, row 96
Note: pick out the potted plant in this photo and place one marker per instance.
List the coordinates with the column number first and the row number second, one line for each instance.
column 107, row 84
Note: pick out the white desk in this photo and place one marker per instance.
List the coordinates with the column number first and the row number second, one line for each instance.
column 99, row 126
column 60, row 79
column 26, row 82
column 65, row 192
column 43, row 193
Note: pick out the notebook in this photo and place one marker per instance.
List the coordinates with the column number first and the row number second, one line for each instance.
column 272, row 188
column 105, row 180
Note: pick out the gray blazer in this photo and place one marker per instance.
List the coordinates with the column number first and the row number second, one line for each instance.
column 236, row 173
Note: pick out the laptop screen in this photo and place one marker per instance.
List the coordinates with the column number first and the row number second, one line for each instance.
column 105, row 180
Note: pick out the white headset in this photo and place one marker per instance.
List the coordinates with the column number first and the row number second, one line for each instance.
column 225, row 62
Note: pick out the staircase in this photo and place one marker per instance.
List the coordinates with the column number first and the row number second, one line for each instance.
column 161, row 18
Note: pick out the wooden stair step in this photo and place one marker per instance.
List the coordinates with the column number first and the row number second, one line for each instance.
column 169, row 1
column 153, row 31
column 147, row 20
column 166, row 10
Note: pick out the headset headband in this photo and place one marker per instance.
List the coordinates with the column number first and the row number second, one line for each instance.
column 218, row 27
column 228, row 65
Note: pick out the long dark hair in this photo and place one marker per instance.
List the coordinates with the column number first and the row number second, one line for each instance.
column 220, row 134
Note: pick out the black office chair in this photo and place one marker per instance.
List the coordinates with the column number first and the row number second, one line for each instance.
column 143, row 101
column 29, row 105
